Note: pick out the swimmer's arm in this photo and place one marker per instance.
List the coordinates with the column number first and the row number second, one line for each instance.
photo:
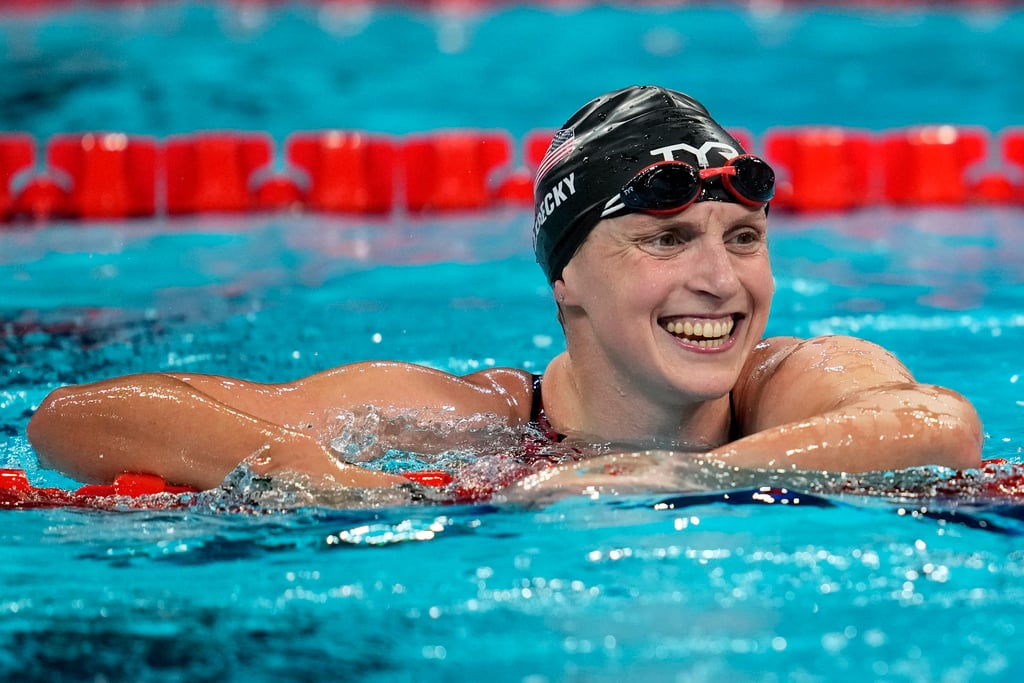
column 194, row 429
column 844, row 404
column 395, row 387
column 162, row 425
column 414, row 407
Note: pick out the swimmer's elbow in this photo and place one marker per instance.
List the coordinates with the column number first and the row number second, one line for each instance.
column 963, row 434
column 46, row 427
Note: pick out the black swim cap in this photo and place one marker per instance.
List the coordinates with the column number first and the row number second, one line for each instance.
column 602, row 147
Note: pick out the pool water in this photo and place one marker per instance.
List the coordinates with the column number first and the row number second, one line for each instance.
column 887, row 577
column 903, row 576
column 168, row 68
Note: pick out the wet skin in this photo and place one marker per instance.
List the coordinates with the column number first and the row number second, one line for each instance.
column 663, row 318
column 637, row 277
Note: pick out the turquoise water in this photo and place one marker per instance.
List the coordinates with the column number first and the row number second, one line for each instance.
column 848, row 581
column 163, row 70
column 887, row 577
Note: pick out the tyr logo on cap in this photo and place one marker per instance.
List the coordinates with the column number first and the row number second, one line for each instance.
column 701, row 153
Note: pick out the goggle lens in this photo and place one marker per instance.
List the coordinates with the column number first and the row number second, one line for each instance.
column 665, row 186
column 671, row 186
column 753, row 181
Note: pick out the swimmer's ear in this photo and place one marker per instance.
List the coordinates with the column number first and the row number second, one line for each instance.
column 563, row 292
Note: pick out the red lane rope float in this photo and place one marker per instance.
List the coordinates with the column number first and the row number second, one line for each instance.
column 348, row 171
column 997, row 479
column 829, row 168
column 430, row 477
column 452, row 170
column 17, row 492
column 210, row 172
column 113, row 175
column 826, row 169
column 17, row 155
column 928, row 165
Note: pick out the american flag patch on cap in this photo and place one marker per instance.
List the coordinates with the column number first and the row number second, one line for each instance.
column 561, row 146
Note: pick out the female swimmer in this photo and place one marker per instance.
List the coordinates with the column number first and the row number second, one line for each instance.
column 651, row 226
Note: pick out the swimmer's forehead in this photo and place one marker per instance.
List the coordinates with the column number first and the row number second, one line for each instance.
column 696, row 216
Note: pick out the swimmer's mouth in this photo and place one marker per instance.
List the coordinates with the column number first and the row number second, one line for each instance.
column 705, row 333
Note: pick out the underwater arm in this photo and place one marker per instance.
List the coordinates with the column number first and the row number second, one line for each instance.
column 162, row 425
column 844, row 404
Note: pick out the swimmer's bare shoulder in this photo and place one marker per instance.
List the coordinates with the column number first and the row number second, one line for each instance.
column 791, row 378
column 514, row 386
column 839, row 402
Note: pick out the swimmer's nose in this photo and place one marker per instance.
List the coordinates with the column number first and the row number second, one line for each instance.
column 714, row 272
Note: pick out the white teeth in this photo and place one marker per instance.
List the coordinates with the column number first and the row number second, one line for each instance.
column 713, row 333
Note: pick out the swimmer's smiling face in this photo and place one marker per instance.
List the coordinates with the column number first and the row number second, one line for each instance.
column 673, row 305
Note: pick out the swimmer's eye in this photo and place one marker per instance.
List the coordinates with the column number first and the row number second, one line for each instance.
column 746, row 240
column 662, row 242
column 666, row 239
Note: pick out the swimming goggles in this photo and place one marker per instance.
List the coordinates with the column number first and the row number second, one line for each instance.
column 671, row 186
